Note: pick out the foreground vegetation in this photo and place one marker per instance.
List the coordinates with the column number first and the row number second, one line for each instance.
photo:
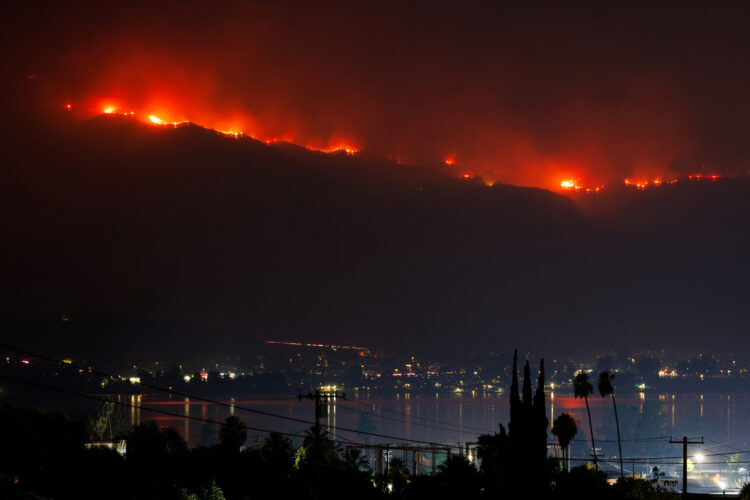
column 45, row 454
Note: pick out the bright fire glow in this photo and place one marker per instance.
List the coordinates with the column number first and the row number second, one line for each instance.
column 642, row 184
column 566, row 184
column 573, row 185
column 339, row 148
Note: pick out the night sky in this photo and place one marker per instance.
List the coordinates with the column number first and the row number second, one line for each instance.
column 447, row 232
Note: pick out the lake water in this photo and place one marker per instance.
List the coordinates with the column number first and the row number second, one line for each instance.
column 647, row 420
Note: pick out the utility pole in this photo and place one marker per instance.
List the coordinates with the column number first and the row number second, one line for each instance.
column 685, row 444
column 321, row 403
column 321, row 410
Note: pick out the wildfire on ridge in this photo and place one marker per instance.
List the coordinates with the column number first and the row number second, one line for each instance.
column 569, row 185
column 340, row 148
column 573, row 185
column 110, row 109
column 158, row 121
column 642, row 184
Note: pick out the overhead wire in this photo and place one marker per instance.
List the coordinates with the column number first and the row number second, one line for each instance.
column 417, row 417
column 221, row 403
column 307, row 422
column 397, row 419
column 164, row 412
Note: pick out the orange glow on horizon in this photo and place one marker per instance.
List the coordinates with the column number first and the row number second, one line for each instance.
column 570, row 176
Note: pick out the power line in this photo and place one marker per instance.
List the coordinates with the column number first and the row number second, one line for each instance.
column 724, row 445
column 221, row 403
column 633, row 440
column 640, row 460
column 130, row 405
column 161, row 412
column 416, row 417
column 396, row 419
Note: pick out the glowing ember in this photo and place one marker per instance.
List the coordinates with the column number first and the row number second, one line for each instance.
column 449, row 161
column 349, row 150
column 642, row 184
column 156, row 120
column 108, row 110
column 68, row 106
column 228, row 133
column 573, row 185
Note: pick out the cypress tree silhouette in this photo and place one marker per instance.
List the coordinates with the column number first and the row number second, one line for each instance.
column 515, row 399
column 527, row 402
column 528, row 432
column 540, row 417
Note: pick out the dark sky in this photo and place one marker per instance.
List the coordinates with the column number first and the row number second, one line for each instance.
column 255, row 242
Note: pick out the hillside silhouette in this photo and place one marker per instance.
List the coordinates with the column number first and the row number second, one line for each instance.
column 248, row 241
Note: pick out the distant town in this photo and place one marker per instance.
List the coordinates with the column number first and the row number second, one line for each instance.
column 292, row 366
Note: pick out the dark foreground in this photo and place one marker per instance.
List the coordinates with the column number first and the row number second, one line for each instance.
column 46, row 454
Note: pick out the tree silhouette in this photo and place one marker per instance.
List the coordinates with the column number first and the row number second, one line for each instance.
column 146, row 442
column 745, row 492
column 494, row 452
column 320, row 450
column 173, row 442
column 278, row 453
column 582, row 388
column 606, row 389
column 458, row 478
column 396, row 476
column 355, row 460
column 565, row 429
column 233, row 433
column 212, row 492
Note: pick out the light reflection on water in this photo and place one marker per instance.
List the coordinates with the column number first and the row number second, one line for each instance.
column 724, row 419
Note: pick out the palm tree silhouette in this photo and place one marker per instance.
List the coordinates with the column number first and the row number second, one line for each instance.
column 233, row 433
column 582, row 389
column 565, row 428
column 606, row 389
column 278, row 453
